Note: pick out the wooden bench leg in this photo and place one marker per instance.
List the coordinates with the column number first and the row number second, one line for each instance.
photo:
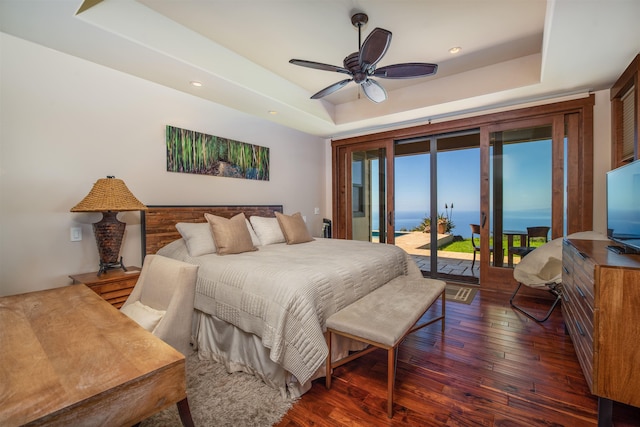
column 328, row 373
column 444, row 299
column 391, row 379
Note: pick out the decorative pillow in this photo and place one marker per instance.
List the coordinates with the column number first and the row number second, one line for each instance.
column 143, row 315
column 198, row 238
column 254, row 236
column 294, row 228
column 267, row 229
column 230, row 235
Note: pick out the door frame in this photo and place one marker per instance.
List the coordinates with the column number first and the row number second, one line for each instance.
column 577, row 117
column 342, row 178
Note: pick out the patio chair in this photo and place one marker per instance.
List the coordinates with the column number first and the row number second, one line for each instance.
column 539, row 232
column 475, row 229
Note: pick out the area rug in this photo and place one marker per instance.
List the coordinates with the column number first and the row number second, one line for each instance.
column 458, row 293
column 217, row 398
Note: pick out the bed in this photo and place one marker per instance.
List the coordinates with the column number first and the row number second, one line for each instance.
column 263, row 311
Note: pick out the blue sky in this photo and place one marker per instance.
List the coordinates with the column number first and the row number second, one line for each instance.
column 527, row 171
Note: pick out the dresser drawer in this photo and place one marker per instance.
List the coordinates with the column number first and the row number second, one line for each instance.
column 582, row 343
column 579, row 272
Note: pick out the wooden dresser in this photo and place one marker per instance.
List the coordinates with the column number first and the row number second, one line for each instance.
column 601, row 309
column 114, row 286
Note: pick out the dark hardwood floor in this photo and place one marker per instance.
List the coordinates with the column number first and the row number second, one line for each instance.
column 492, row 367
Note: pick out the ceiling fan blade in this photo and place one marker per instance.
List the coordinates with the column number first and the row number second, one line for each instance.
column 319, row 66
column 406, row 71
column 373, row 90
column 374, row 48
column 330, row 89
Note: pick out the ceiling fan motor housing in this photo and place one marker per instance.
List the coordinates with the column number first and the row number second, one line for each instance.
column 352, row 63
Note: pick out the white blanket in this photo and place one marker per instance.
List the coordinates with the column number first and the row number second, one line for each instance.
column 284, row 293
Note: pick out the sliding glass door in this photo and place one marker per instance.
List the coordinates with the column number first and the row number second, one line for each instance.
column 437, row 187
column 524, row 193
column 504, row 172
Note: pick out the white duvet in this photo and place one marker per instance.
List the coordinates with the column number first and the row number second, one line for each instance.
column 284, row 293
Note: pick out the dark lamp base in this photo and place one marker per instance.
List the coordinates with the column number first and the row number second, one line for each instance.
column 105, row 266
column 109, row 232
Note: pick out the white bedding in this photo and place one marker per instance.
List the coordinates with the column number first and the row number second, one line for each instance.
column 284, row 293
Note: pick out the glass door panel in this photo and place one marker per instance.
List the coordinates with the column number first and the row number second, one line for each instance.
column 369, row 211
column 521, row 191
column 458, row 205
column 433, row 175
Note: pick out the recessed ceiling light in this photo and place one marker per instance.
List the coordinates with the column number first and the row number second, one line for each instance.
column 455, row 50
column 273, row 112
column 195, row 83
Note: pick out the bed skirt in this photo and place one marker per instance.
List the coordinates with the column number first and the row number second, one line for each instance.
column 240, row 351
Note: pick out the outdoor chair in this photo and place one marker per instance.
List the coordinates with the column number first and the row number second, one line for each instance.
column 540, row 232
column 475, row 230
column 542, row 269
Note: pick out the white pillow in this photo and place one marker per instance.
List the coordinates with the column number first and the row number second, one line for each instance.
column 144, row 315
column 198, row 238
column 254, row 236
column 267, row 229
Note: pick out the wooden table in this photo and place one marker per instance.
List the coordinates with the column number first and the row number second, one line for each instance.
column 510, row 234
column 68, row 357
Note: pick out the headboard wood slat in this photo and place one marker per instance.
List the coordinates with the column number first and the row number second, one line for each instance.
column 159, row 222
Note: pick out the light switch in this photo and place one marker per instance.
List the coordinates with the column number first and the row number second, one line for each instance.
column 76, row 234
column 316, row 211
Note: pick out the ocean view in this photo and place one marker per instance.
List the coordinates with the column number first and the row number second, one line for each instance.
column 517, row 220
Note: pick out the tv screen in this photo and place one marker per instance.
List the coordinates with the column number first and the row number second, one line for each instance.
column 623, row 206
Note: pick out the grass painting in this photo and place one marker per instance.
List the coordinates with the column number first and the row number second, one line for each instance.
column 194, row 152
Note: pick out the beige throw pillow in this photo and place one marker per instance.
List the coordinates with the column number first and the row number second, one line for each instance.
column 230, row 235
column 294, row 229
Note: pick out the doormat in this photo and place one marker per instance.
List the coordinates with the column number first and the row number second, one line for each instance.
column 457, row 293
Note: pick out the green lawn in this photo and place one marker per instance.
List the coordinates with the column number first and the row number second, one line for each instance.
column 464, row 246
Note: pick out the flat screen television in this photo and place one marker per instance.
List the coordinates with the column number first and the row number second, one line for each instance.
column 623, row 207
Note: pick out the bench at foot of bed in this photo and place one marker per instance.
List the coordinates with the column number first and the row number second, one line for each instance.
column 383, row 319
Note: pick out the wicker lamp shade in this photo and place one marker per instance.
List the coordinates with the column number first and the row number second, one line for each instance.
column 109, row 196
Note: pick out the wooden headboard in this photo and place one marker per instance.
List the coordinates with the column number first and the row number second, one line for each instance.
column 158, row 223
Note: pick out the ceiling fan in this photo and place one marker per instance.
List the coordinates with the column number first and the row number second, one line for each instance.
column 361, row 65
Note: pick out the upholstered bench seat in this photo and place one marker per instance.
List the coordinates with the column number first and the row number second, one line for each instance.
column 383, row 318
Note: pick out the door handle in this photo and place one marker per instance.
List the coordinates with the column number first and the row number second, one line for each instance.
column 484, row 219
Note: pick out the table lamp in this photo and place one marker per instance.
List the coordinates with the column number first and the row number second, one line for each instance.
column 109, row 196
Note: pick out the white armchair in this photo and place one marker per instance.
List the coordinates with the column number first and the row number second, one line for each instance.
column 162, row 300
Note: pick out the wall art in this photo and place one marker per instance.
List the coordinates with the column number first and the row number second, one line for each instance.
column 194, row 152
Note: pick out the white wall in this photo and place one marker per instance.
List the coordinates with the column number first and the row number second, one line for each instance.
column 66, row 122
column 601, row 158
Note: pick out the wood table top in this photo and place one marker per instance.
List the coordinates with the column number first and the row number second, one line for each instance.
column 69, row 357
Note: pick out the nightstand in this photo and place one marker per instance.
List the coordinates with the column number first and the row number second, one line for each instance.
column 114, row 286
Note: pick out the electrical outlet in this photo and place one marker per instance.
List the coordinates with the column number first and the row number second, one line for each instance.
column 316, row 211
column 76, row 234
